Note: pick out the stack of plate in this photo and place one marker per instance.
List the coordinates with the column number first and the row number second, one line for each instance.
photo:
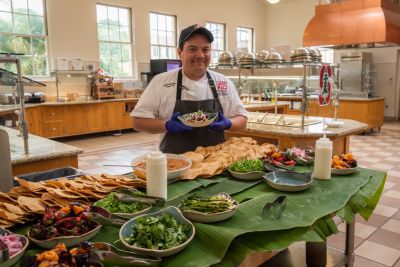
column 247, row 60
column 301, row 54
column 315, row 54
column 261, row 56
column 274, row 57
column 226, row 59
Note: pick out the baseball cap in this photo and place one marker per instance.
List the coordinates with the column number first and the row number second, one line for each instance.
column 194, row 29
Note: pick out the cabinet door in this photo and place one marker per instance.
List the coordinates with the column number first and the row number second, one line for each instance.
column 33, row 117
column 75, row 119
column 96, row 117
column 115, row 112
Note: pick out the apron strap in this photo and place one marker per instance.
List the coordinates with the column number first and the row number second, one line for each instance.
column 211, row 83
column 179, row 85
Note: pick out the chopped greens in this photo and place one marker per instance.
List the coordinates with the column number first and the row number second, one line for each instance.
column 207, row 204
column 112, row 205
column 247, row 165
column 158, row 232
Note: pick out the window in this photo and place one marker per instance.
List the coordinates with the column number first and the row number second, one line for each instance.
column 115, row 42
column 162, row 36
column 244, row 38
column 23, row 30
column 218, row 46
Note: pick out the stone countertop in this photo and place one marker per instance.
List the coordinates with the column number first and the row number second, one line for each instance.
column 317, row 129
column 5, row 109
column 312, row 98
column 40, row 148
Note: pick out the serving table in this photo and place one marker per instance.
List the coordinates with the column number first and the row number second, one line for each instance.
column 293, row 135
column 307, row 216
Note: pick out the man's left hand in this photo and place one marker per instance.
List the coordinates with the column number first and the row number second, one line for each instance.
column 221, row 124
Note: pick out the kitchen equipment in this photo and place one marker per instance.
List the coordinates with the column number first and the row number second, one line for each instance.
column 276, row 207
column 247, row 59
column 226, row 58
column 354, row 24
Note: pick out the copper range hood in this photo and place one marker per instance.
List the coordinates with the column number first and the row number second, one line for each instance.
column 354, row 23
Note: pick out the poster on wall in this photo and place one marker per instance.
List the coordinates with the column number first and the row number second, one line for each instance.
column 325, row 92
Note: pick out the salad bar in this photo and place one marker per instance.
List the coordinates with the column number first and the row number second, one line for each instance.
column 64, row 218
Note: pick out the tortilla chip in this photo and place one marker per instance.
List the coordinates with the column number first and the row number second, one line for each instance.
column 33, row 204
column 13, row 208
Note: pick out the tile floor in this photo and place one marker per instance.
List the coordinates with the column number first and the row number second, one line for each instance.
column 377, row 241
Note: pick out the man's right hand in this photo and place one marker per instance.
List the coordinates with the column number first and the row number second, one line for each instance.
column 174, row 125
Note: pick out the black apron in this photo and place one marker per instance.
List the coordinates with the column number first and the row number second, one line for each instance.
column 178, row 143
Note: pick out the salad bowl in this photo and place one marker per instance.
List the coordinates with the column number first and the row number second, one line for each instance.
column 198, row 119
column 126, row 231
column 289, row 181
column 346, row 171
column 17, row 256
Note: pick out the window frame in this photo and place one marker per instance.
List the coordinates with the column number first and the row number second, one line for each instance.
column 110, row 42
column 251, row 41
column 214, row 59
column 168, row 47
column 44, row 36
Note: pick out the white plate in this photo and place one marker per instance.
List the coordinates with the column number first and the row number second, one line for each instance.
column 126, row 231
column 255, row 175
column 343, row 171
column 67, row 240
column 202, row 217
column 17, row 256
column 171, row 175
column 334, row 124
column 196, row 124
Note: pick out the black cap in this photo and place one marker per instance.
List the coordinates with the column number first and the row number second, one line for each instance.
column 194, row 29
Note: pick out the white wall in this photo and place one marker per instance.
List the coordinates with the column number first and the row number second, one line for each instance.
column 73, row 28
column 285, row 22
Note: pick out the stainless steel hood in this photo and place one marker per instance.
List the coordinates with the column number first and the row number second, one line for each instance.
column 354, row 23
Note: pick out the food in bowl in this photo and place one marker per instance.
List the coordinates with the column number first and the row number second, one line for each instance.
column 176, row 165
column 247, row 165
column 172, row 164
column 111, row 204
column 343, row 161
column 198, row 118
column 208, row 204
column 71, row 220
column 147, row 233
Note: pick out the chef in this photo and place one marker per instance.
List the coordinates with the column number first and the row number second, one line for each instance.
column 189, row 89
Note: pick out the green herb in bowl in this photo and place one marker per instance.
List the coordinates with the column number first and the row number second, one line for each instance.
column 247, row 165
column 112, row 205
column 158, row 232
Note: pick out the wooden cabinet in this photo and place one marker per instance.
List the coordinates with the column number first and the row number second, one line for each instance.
column 33, row 117
column 115, row 112
column 58, row 120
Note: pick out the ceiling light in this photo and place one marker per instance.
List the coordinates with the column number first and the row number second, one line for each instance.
column 273, row 1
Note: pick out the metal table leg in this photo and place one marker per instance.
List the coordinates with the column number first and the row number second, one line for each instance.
column 349, row 249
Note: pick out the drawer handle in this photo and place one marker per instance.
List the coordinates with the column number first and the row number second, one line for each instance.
column 52, row 114
column 54, row 129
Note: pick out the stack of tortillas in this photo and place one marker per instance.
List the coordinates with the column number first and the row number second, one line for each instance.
column 213, row 160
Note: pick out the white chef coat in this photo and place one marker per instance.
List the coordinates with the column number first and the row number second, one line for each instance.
column 158, row 100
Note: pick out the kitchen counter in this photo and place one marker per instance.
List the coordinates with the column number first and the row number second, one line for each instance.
column 369, row 110
column 264, row 106
column 44, row 153
column 289, row 136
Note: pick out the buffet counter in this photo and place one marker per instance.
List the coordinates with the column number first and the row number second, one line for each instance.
column 292, row 134
column 44, row 154
column 369, row 110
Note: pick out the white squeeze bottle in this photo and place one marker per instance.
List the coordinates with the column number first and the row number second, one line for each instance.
column 323, row 158
column 156, row 174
